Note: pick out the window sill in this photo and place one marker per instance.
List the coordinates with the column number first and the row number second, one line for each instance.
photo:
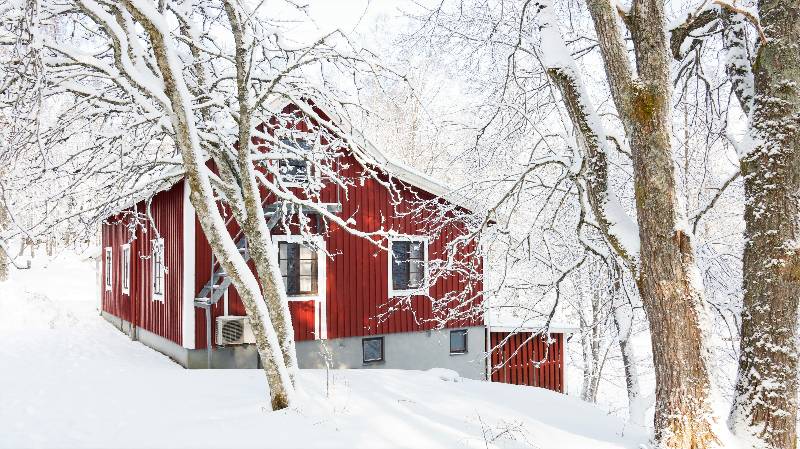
column 416, row 292
column 459, row 353
column 303, row 298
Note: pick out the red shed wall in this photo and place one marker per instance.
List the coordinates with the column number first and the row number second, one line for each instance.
column 513, row 360
column 139, row 308
column 357, row 277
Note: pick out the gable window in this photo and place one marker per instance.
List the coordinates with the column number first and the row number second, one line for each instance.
column 372, row 349
column 293, row 171
column 458, row 341
column 408, row 265
column 125, row 263
column 158, row 269
column 299, row 265
column 108, row 268
column 296, row 170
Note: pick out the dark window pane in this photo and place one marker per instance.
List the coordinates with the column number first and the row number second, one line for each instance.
column 294, row 171
column 400, row 268
column 458, row 341
column 298, row 265
column 408, row 265
column 373, row 349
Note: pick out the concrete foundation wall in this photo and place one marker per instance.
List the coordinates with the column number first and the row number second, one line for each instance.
column 408, row 350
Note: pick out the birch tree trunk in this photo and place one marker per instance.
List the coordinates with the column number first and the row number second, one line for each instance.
column 4, row 251
column 204, row 202
column 637, row 405
column 765, row 406
column 253, row 224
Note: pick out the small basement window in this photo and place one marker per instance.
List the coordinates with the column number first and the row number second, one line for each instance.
column 458, row 341
column 158, row 269
column 108, row 268
column 126, row 269
column 298, row 264
column 408, row 266
column 372, row 349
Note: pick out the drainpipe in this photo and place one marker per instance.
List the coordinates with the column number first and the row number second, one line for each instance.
column 208, row 336
column 203, row 304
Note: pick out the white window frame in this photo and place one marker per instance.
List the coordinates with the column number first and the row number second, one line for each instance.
column 125, row 269
column 108, row 273
column 155, row 244
column 320, row 299
column 425, row 288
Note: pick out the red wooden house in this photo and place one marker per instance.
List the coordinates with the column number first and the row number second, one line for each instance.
column 156, row 282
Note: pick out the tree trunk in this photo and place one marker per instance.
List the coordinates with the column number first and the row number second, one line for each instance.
column 204, row 202
column 668, row 279
column 4, row 251
column 667, row 275
column 254, row 225
column 637, row 405
column 765, row 406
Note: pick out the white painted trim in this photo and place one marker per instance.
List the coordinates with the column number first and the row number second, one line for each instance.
column 123, row 262
column 108, row 268
column 321, row 298
column 567, row 330
column 189, row 241
column 425, row 289
column 153, row 244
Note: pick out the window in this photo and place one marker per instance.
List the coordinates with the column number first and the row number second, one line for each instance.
column 298, row 264
column 126, row 269
column 293, row 171
column 408, row 265
column 158, row 269
column 297, row 170
column 458, row 341
column 108, row 268
column 372, row 349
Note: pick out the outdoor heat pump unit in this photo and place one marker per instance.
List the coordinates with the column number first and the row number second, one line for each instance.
column 234, row 330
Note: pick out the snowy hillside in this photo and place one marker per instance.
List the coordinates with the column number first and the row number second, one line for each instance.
column 72, row 380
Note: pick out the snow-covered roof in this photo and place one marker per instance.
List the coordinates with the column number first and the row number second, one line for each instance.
column 505, row 320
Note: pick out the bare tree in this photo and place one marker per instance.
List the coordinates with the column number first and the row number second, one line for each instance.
column 657, row 247
column 120, row 99
column 154, row 91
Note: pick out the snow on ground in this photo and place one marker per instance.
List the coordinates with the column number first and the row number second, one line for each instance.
column 69, row 379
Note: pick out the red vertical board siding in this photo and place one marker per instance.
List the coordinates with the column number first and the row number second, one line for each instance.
column 357, row 278
column 115, row 234
column 303, row 319
column 514, row 358
column 139, row 308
